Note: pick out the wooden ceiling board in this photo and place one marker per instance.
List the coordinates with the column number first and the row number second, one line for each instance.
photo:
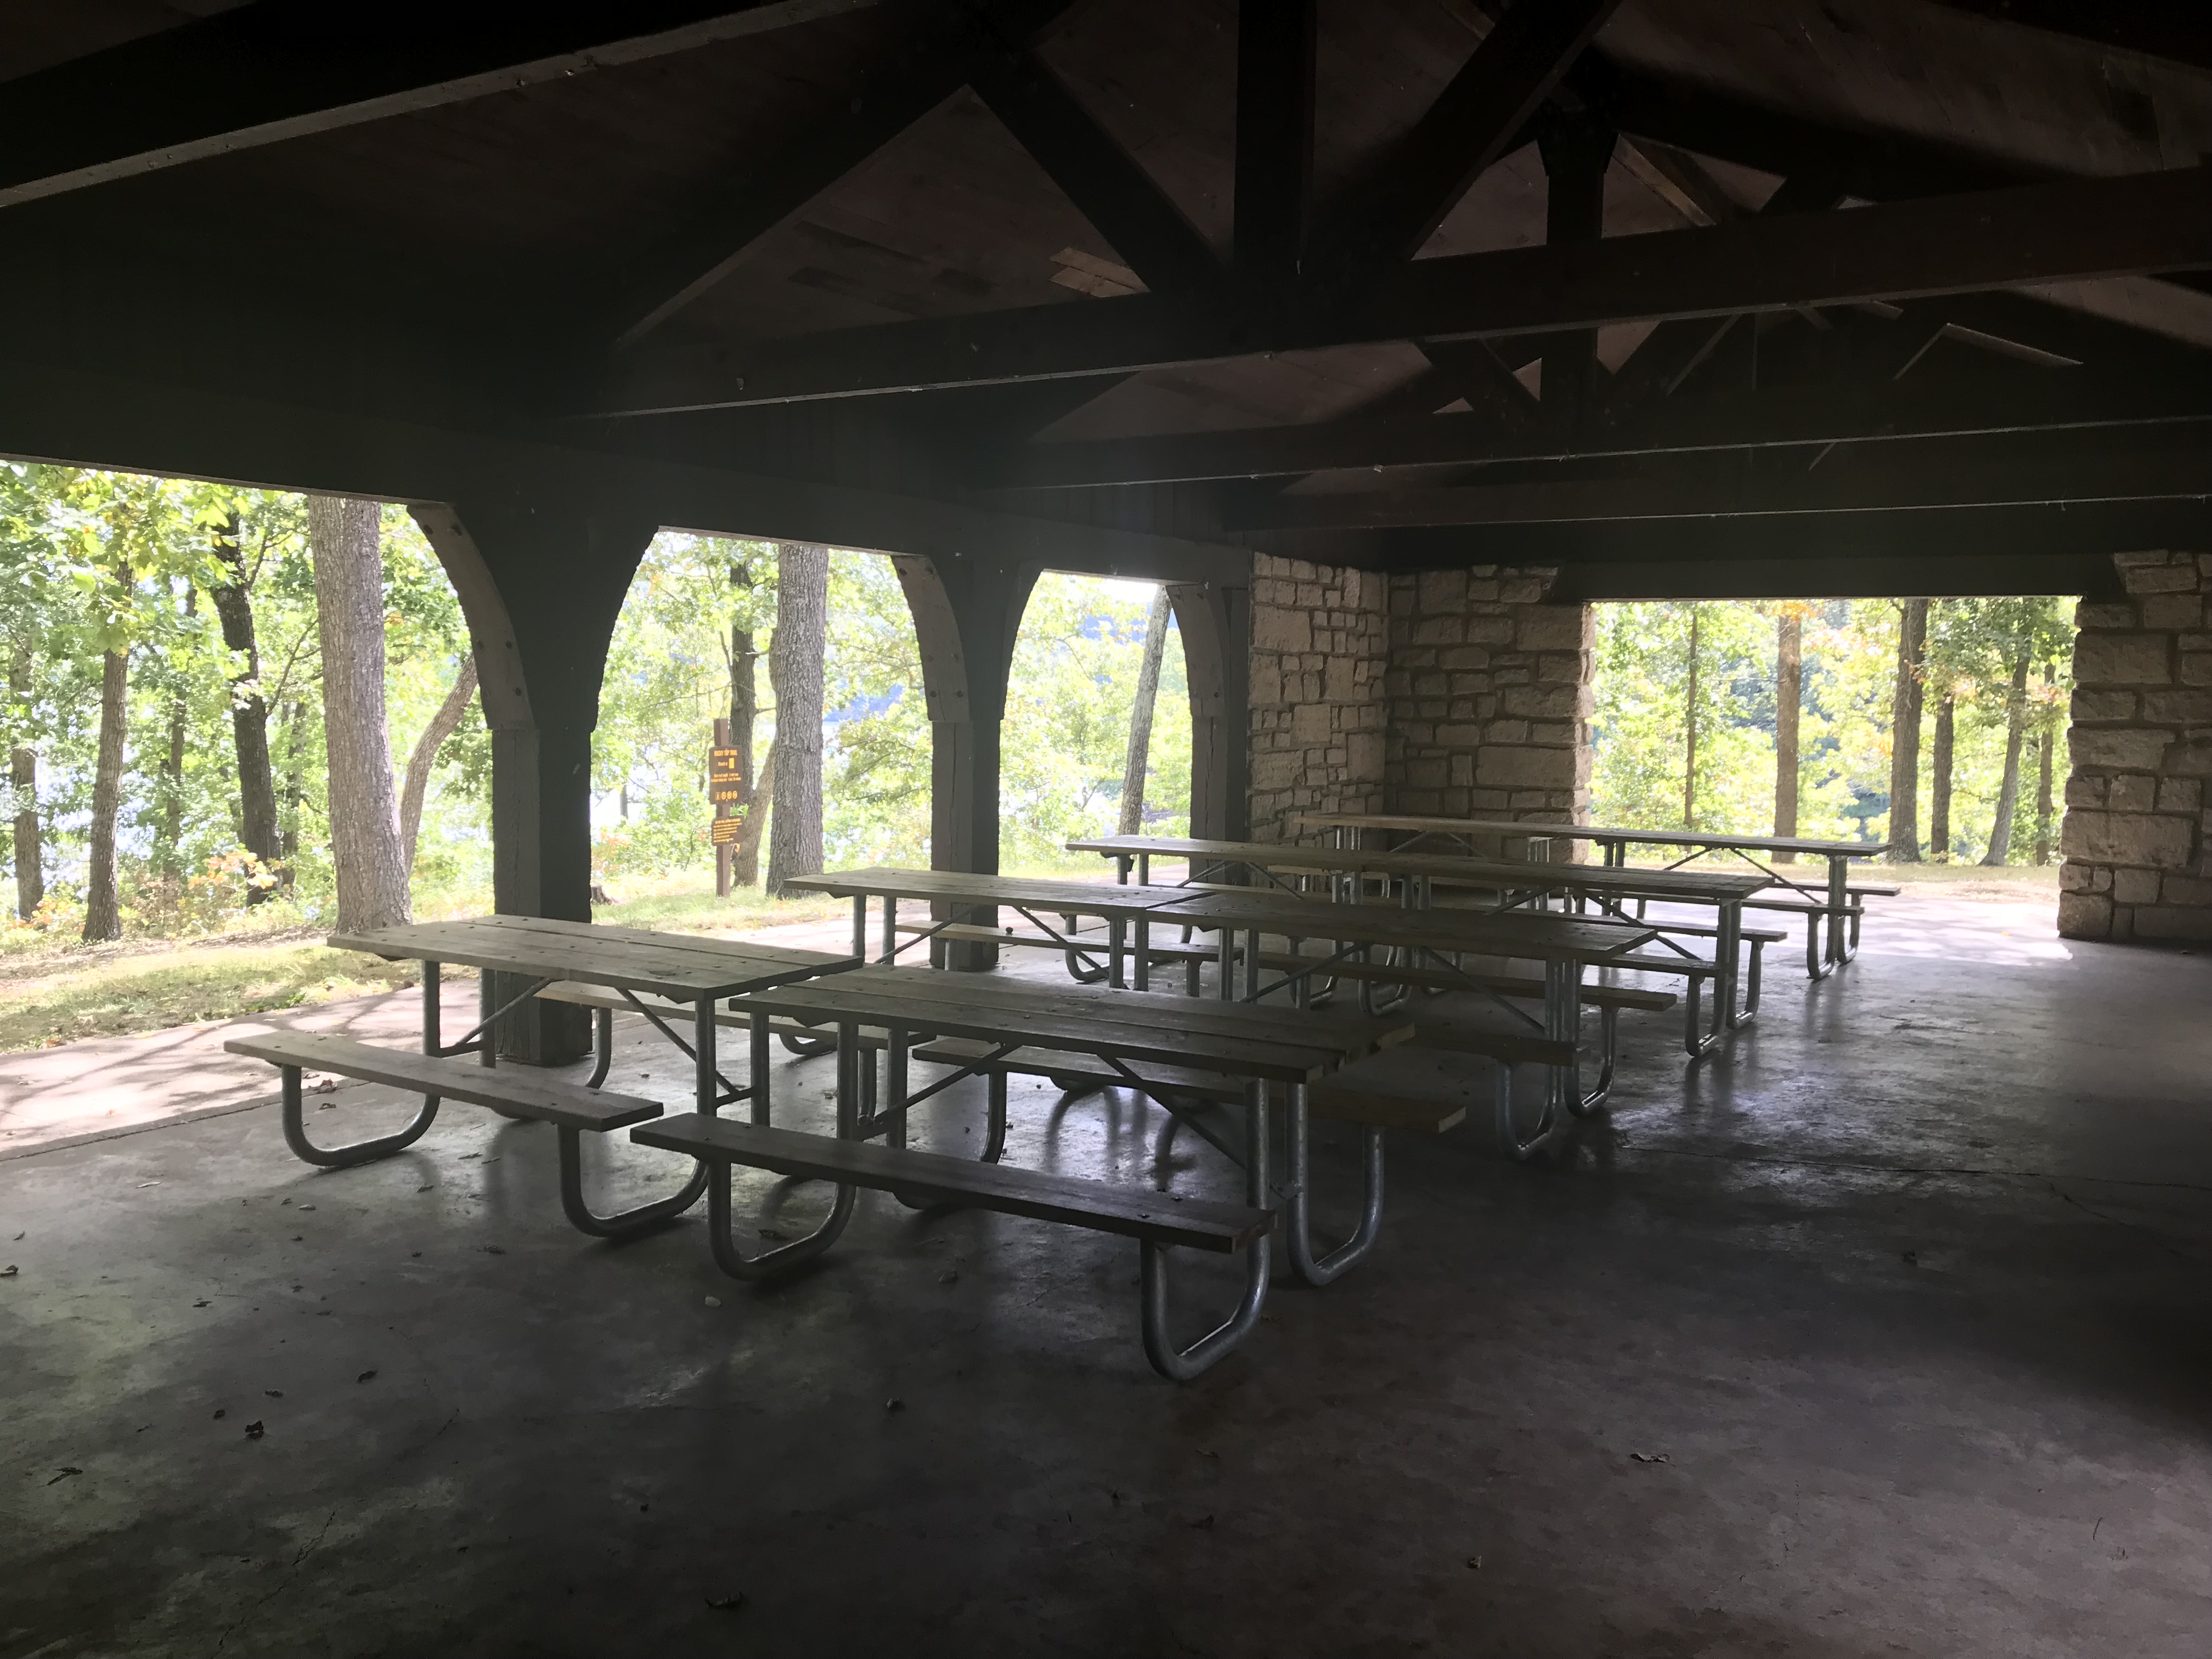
column 2040, row 100
column 1289, row 388
column 953, row 216
column 1160, row 76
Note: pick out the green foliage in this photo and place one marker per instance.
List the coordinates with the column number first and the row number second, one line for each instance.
column 1062, row 746
column 1850, row 657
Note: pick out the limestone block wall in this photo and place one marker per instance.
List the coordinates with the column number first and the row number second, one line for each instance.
column 1319, row 640
column 1490, row 697
column 2137, row 839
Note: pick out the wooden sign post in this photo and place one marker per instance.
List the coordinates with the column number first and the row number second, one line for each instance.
column 726, row 787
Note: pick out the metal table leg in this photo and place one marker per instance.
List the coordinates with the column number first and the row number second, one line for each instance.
column 1180, row 1364
column 784, row 1257
column 1321, row 1270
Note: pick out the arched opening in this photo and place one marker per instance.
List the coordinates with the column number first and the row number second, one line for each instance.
column 1076, row 702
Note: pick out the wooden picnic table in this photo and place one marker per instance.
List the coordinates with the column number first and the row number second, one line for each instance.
column 967, row 899
column 1834, row 901
column 1514, row 881
column 673, row 969
column 680, row 968
column 1267, row 1047
column 1564, row 945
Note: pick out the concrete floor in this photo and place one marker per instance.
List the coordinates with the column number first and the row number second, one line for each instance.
column 1904, row 1303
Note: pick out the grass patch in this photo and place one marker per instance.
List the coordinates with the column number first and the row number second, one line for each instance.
column 180, row 986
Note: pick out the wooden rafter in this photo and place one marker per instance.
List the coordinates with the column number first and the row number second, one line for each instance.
column 932, row 55
column 1385, row 217
column 1903, row 478
column 2070, row 230
column 1109, row 186
column 2064, row 400
column 285, row 68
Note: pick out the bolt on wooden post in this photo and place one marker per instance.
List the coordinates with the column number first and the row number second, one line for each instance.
column 726, row 788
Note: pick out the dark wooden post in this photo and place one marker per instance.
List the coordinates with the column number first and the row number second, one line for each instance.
column 1215, row 621
column 541, row 575
column 966, row 614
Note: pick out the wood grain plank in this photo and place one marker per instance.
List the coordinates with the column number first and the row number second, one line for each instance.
column 564, row 1103
column 1131, row 1212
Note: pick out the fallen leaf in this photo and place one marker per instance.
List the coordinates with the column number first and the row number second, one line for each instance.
column 220, row 1413
column 1476, row 1562
column 729, row 1603
column 144, row 1184
column 65, row 1474
column 713, row 1301
column 253, row 1431
column 201, row 1303
column 494, row 1250
column 366, row 1376
column 1651, row 1458
column 274, row 1394
column 952, row 1278
column 1203, row 1523
column 7, row 1272
column 430, row 1189
column 306, row 1208
column 1912, row 1258
column 894, row 1404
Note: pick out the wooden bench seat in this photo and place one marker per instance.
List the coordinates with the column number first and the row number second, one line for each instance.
column 1102, row 1206
column 572, row 1109
column 614, row 1002
column 1080, row 1073
column 521, row 1093
column 1159, row 1221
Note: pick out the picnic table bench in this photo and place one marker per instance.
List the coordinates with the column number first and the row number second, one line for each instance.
column 1514, row 883
column 1832, row 909
column 675, row 971
column 1263, row 1048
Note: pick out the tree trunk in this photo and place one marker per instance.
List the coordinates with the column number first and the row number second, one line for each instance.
column 1905, row 735
column 103, row 917
column 249, row 713
column 364, row 848
column 1690, row 728
column 1789, row 703
column 2008, row 791
column 756, row 814
column 745, row 714
column 1939, row 762
column 166, row 856
column 166, row 848
column 1140, row 717
column 794, row 667
column 288, row 842
column 23, row 778
column 425, row 756
column 2045, row 807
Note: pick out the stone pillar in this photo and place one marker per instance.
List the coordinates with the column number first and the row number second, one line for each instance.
column 1216, row 625
column 1317, row 713
column 1490, row 696
column 2137, row 840
column 966, row 612
column 541, row 575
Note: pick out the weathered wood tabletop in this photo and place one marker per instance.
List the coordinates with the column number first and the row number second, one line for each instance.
column 1538, row 937
column 1416, row 824
column 676, row 966
column 1094, row 898
column 1499, row 875
column 1278, row 1044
